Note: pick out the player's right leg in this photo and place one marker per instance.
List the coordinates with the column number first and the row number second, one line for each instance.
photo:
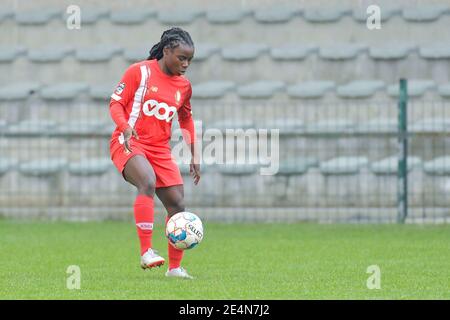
column 139, row 173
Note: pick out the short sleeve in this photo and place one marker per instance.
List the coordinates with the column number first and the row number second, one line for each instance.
column 126, row 88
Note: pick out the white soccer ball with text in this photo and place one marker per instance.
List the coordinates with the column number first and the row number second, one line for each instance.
column 184, row 230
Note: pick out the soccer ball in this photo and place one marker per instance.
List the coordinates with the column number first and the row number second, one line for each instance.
column 184, row 230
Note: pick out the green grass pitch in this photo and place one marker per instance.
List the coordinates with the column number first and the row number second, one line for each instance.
column 235, row 261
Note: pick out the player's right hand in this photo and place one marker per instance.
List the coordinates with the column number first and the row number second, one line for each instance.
column 127, row 134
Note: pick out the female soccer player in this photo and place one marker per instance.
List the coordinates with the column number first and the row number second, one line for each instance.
column 143, row 105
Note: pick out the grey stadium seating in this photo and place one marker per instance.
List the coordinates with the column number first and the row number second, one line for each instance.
column 314, row 72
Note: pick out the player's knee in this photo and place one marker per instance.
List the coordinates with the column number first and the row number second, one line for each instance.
column 180, row 208
column 147, row 188
column 177, row 206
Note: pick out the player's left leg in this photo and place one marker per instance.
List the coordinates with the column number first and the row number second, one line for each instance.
column 173, row 200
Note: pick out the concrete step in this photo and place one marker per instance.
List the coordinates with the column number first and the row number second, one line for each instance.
column 239, row 62
column 279, row 24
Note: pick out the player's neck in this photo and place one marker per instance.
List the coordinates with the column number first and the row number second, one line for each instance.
column 163, row 68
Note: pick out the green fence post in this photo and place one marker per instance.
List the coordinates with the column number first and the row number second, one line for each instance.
column 402, row 172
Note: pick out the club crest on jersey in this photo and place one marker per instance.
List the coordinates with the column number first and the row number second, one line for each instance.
column 178, row 97
column 120, row 88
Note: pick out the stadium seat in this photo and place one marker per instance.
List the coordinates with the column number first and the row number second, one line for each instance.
column 360, row 14
column 92, row 15
column 286, row 126
column 438, row 166
column 436, row 182
column 260, row 89
column 179, row 16
column 78, row 128
column 106, row 128
column 324, row 14
column 9, row 54
column 360, row 89
column 391, row 51
column 133, row 55
column 31, row 128
column 297, row 166
column 90, row 166
column 103, row 181
column 343, row 165
column 310, row 89
column 39, row 16
column 212, row 89
column 435, row 51
column 292, row 52
column 244, row 52
column 341, row 51
column 7, row 165
column 42, row 167
column 132, row 16
column 98, row 53
column 101, row 91
column 276, row 14
column 3, row 126
column 434, row 125
column 444, row 90
column 6, row 14
column 232, row 177
column 18, row 91
column 237, row 169
column 377, row 126
column 424, row 13
column 49, row 54
column 330, row 126
column 64, row 91
column 204, row 50
column 226, row 15
column 233, row 124
column 416, row 88
column 390, row 165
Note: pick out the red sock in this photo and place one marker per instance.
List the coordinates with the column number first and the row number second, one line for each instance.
column 144, row 217
column 175, row 255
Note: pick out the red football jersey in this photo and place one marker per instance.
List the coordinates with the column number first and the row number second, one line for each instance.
column 151, row 99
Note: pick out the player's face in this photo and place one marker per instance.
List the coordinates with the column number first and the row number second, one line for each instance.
column 178, row 59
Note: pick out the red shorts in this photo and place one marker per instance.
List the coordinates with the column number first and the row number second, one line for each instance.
column 160, row 158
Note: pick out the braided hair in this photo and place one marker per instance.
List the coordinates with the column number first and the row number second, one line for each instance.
column 171, row 38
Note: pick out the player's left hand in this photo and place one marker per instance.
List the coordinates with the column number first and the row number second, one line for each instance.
column 195, row 171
